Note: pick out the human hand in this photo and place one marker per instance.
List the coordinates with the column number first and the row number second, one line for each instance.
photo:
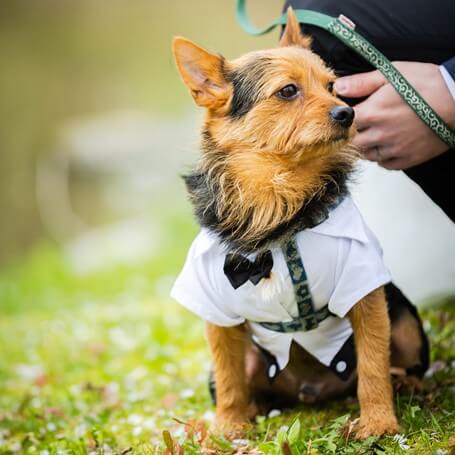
column 389, row 131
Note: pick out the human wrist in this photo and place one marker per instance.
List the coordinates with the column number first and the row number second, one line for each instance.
column 429, row 82
column 448, row 113
column 447, row 71
column 448, row 79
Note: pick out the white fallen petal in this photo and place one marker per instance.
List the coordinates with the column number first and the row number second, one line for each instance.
column 402, row 441
column 30, row 372
column 187, row 393
column 240, row 442
column 149, row 423
column 135, row 419
column 209, row 416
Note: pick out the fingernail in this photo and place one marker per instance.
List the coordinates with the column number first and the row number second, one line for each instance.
column 341, row 86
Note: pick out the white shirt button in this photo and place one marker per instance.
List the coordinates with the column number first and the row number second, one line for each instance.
column 341, row 366
column 272, row 371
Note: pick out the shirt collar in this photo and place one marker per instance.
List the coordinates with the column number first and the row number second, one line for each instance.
column 206, row 240
column 343, row 221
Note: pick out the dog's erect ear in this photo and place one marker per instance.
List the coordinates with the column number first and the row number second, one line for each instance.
column 292, row 35
column 202, row 72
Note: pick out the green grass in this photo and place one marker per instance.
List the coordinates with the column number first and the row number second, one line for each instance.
column 104, row 363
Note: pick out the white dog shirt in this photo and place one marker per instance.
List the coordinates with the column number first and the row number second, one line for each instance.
column 343, row 263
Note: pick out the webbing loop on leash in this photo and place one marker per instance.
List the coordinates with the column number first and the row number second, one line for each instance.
column 343, row 29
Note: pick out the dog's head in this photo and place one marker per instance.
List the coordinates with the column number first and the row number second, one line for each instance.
column 275, row 135
column 278, row 100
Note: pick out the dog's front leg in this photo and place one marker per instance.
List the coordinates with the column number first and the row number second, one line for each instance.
column 371, row 326
column 228, row 346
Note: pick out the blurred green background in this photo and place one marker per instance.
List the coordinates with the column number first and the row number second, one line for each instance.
column 67, row 64
column 95, row 127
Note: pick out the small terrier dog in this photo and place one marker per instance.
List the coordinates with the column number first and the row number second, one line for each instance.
column 285, row 271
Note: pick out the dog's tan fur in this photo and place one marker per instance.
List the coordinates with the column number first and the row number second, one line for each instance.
column 274, row 159
column 371, row 327
column 229, row 346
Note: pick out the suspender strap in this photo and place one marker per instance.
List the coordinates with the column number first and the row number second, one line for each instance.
column 343, row 29
column 308, row 317
column 299, row 279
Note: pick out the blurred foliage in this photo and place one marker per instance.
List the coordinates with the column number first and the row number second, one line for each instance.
column 66, row 59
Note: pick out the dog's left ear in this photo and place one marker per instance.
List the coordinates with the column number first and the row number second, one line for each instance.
column 202, row 72
column 292, row 35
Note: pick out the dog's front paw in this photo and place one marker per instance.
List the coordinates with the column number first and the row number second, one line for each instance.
column 376, row 425
column 232, row 426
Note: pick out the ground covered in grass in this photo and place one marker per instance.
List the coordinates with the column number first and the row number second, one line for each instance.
column 106, row 363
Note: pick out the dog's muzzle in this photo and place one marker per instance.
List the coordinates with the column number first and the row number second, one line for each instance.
column 342, row 115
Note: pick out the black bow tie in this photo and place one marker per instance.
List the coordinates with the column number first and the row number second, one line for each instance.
column 240, row 269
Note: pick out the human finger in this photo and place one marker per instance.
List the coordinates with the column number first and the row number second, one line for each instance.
column 358, row 85
column 395, row 164
column 378, row 154
column 367, row 139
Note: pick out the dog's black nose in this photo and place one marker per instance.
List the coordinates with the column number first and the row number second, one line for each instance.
column 343, row 115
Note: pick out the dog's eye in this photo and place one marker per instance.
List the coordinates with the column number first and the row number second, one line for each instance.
column 289, row 92
column 330, row 86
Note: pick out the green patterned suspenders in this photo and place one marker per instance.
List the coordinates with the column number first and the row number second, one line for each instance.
column 343, row 29
column 308, row 318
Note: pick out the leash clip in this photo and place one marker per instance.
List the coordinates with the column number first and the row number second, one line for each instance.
column 346, row 21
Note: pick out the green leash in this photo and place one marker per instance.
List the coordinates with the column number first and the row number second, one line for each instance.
column 343, row 29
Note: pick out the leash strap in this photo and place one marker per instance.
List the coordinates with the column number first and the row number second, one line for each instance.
column 308, row 318
column 343, row 29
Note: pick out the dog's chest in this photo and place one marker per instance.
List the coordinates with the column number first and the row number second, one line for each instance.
column 273, row 299
column 343, row 263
